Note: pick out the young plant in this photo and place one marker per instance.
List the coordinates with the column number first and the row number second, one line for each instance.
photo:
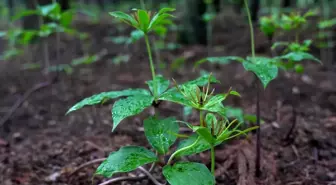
column 266, row 68
column 213, row 128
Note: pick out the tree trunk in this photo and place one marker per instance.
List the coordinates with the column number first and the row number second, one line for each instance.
column 10, row 4
column 255, row 6
column 195, row 31
column 101, row 4
column 286, row 3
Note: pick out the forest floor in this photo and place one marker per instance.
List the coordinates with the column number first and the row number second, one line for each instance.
column 40, row 145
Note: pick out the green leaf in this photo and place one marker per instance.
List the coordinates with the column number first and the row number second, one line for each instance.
column 219, row 60
column 130, row 106
column 327, row 23
column 201, row 146
column 3, row 33
column 53, row 10
column 135, row 36
column 183, row 173
column 210, row 120
column 177, row 97
column 277, row 44
column 161, row 83
column 66, row 18
column 161, row 134
column 85, row 60
column 205, row 134
column 125, row 18
column 143, row 19
column 24, row 13
column 187, row 111
column 299, row 56
column 126, row 159
column 104, row 96
column 235, row 113
column 160, row 18
column 265, row 69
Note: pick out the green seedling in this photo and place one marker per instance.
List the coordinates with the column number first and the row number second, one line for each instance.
column 161, row 133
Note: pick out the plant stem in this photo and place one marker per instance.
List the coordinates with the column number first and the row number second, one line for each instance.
column 258, row 145
column 201, row 119
column 213, row 160
column 182, row 150
column 151, row 63
column 251, row 28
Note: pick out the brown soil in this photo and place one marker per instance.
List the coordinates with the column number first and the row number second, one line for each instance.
column 40, row 145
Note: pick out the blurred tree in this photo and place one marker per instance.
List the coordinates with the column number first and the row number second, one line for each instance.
column 194, row 30
column 286, row 3
column 10, row 4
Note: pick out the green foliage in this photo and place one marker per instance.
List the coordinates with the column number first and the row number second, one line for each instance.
column 219, row 60
column 144, row 21
column 264, row 68
column 162, row 84
column 130, row 106
column 188, row 173
column 105, row 96
column 126, row 159
column 161, row 133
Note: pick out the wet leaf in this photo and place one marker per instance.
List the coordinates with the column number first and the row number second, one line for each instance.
column 265, row 69
column 99, row 98
column 126, row 159
column 162, row 84
column 201, row 146
column 130, row 106
column 299, row 56
column 183, row 173
column 161, row 134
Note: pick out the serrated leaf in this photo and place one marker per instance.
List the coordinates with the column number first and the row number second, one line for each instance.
column 219, row 60
column 126, row 159
column 183, row 173
column 161, row 83
column 99, row 98
column 130, row 106
column 161, row 134
column 299, row 56
column 265, row 69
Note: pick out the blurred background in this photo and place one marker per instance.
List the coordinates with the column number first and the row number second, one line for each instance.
column 54, row 53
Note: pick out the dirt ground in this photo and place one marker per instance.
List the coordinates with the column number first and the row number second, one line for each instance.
column 39, row 145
